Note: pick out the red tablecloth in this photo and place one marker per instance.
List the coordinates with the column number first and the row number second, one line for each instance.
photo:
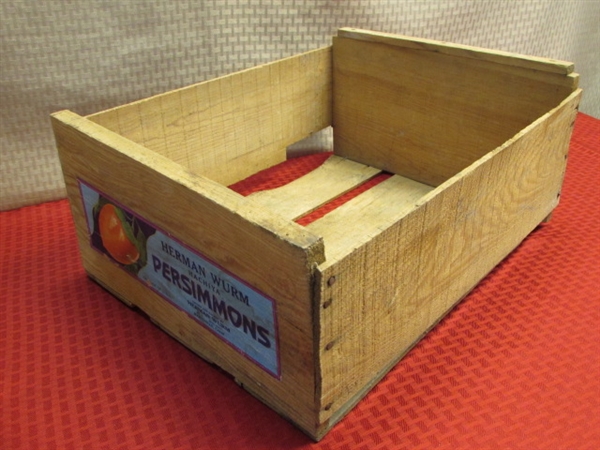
column 515, row 365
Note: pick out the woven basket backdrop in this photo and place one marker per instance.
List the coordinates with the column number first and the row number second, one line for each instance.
column 89, row 55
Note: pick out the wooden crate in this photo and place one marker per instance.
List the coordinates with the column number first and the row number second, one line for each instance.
column 308, row 319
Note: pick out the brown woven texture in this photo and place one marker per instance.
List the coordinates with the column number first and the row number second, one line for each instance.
column 88, row 56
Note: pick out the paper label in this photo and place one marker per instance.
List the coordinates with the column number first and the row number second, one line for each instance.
column 232, row 310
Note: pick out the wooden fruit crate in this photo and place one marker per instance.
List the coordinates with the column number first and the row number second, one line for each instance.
column 308, row 319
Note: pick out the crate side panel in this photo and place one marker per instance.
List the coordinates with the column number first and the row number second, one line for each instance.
column 233, row 126
column 273, row 256
column 393, row 289
column 427, row 115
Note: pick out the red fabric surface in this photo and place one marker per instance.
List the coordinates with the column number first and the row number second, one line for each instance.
column 515, row 365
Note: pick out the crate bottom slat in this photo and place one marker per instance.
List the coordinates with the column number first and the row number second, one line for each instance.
column 334, row 177
column 357, row 221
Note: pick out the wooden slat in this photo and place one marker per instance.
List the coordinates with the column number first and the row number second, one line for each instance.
column 333, row 178
column 233, row 126
column 465, row 51
column 356, row 222
column 427, row 115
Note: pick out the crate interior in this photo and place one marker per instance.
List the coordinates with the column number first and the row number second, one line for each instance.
column 418, row 114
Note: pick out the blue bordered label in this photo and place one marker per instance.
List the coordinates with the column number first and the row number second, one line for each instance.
column 232, row 310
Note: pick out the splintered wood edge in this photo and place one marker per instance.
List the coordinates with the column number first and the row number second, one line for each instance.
column 467, row 51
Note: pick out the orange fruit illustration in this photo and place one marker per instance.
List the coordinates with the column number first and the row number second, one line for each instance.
column 114, row 238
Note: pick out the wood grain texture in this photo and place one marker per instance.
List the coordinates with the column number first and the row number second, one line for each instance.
column 233, row 126
column 273, row 255
column 356, row 222
column 333, row 178
column 465, row 51
column 390, row 291
column 427, row 115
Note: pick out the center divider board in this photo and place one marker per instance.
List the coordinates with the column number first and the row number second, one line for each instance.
column 334, row 177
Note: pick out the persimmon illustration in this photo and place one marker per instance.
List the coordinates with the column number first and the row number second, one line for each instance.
column 114, row 237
